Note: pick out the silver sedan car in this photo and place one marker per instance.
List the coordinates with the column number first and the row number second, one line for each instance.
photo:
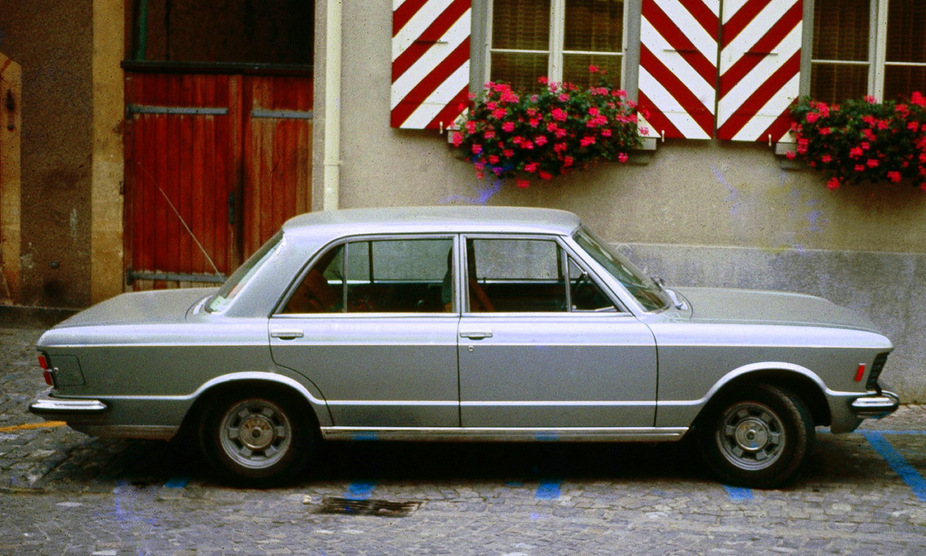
column 462, row 323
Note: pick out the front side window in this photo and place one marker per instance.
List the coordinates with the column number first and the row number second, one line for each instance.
column 558, row 39
column 868, row 47
column 383, row 276
column 528, row 276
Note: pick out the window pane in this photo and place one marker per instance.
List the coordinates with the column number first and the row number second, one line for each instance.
column 594, row 25
column 400, row 276
column 515, row 276
column 834, row 83
column 585, row 294
column 901, row 81
column 521, row 71
column 521, row 24
column 576, row 69
column 322, row 289
column 840, row 30
column 906, row 32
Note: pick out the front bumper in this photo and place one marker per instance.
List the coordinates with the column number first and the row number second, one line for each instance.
column 876, row 406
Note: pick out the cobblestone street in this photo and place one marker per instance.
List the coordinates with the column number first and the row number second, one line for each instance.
column 66, row 493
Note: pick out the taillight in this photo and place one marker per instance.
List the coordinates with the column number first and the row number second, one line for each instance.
column 46, row 370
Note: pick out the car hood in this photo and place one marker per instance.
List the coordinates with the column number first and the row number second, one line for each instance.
column 154, row 307
column 720, row 305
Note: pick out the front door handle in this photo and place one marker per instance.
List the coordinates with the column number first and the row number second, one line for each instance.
column 286, row 334
column 476, row 334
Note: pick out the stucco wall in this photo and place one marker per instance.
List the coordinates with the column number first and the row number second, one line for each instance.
column 52, row 41
column 699, row 213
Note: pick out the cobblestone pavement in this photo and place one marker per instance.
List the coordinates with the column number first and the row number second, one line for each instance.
column 66, row 493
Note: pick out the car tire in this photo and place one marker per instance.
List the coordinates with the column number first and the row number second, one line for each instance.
column 757, row 436
column 257, row 440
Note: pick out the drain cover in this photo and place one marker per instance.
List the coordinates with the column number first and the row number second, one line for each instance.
column 336, row 505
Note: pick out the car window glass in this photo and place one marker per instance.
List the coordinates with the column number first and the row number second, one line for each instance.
column 243, row 275
column 515, row 275
column 386, row 276
column 585, row 295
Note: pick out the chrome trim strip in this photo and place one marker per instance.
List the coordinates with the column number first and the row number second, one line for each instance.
column 531, row 403
column 506, row 434
column 147, row 432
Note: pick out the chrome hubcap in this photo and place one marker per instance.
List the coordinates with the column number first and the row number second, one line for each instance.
column 255, row 434
column 751, row 436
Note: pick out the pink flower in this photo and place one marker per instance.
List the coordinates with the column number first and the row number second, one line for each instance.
column 811, row 117
column 493, row 159
column 470, row 127
column 791, row 155
column 543, row 80
column 476, row 148
column 593, row 69
column 500, row 113
column 559, row 114
column 489, row 134
column 568, row 161
column 855, row 152
column 826, row 159
column 564, row 97
column 825, row 131
column 872, row 163
column 833, row 184
column 606, row 132
column 893, row 176
column 593, row 111
column 508, row 127
column 507, row 153
column 545, row 175
column 587, row 140
column 523, row 184
column 457, row 138
column 622, row 157
column 859, row 167
column 540, row 140
column 870, row 99
column 531, row 167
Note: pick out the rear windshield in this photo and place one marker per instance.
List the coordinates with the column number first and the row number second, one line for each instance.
column 233, row 286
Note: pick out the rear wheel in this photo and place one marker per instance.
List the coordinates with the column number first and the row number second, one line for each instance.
column 758, row 436
column 257, row 440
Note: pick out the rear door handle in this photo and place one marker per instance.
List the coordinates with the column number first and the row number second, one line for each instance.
column 476, row 334
column 286, row 334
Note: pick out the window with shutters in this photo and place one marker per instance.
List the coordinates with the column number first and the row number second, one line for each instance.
column 868, row 47
column 558, row 39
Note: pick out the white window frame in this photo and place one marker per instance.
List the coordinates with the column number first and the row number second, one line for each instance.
column 556, row 50
column 877, row 49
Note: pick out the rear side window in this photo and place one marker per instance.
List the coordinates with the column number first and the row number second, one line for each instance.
column 382, row 276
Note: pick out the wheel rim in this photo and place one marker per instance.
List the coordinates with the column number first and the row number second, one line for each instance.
column 751, row 436
column 255, row 434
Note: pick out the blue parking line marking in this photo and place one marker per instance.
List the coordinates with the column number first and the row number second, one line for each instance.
column 360, row 490
column 548, row 490
column 180, row 481
column 738, row 494
column 897, row 462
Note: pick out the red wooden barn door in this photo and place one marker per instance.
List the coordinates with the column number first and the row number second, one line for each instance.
column 277, row 154
column 215, row 163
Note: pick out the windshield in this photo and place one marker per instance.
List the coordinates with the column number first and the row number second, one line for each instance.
column 643, row 288
column 243, row 275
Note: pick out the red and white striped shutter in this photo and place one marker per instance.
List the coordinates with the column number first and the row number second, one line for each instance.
column 760, row 64
column 430, row 62
column 678, row 66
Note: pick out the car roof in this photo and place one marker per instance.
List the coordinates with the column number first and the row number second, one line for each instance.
column 446, row 219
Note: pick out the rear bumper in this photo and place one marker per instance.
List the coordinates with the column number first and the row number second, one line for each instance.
column 876, row 406
column 58, row 408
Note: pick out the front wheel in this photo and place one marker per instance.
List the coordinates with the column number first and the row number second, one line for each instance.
column 257, row 440
column 758, row 436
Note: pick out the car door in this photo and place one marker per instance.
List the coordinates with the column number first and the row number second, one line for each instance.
column 373, row 325
column 542, row 345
